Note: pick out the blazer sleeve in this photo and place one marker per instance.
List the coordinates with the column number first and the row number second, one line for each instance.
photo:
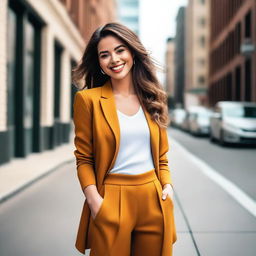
column 83, row 140
column 165, row 175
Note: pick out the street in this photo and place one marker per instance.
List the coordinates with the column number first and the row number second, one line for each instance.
column 236, row 163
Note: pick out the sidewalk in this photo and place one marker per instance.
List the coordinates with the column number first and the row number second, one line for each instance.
column 21, row 172
column 209, row 221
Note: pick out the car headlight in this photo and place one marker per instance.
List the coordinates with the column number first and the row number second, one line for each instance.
column 231, row 127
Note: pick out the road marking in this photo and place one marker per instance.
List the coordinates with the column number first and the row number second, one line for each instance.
column 231, row 188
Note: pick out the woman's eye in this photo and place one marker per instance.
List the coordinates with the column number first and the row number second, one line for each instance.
column 120, row 50
column 103, row 55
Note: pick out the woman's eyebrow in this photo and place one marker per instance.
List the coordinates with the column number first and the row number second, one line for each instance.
column 121, row 45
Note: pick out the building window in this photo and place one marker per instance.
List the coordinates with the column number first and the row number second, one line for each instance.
column 73, row 88
column 202, row 41
column 29, row 54
column 248, row 25
column 201, row 21
column 201, row 80
column 24, row 39
column 201, row 62
column 11, row 77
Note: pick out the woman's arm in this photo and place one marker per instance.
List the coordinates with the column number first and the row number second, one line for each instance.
column 83, row 141
column 84, row 151
column 165, row 175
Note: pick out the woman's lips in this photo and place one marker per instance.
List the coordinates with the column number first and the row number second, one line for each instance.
column 118, row 69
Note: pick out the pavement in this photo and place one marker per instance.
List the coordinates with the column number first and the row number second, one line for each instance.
column 209, row 221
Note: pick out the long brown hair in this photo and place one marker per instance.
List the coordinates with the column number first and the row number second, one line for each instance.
column 148, row 89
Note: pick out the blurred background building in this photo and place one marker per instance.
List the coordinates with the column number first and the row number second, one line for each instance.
column 232, row 51
column 40, row 42
column 197, row 51
column 128, row 13
column 179, row 58
column 215, row 54
column 169, row 78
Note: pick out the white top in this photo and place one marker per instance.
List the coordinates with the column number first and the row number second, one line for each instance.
column 134, row 155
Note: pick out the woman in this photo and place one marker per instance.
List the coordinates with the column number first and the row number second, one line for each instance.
column 121, row 145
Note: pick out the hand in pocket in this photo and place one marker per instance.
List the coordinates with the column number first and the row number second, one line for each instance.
column 95, row 206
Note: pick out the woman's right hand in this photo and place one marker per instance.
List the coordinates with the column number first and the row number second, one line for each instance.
column 95, row 205
column 94, row 199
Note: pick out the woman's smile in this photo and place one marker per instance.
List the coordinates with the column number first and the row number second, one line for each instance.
column 118, row 68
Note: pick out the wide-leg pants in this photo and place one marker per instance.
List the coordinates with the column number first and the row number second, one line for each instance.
column 130, row 219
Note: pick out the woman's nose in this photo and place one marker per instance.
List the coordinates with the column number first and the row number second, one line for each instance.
column 114, row 58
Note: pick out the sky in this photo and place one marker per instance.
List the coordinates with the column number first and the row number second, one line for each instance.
column 157, row 23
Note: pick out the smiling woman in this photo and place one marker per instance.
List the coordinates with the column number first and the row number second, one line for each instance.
column 121, row 145
column 114, row 57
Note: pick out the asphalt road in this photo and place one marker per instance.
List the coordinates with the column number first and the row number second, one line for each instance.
column 236, row 163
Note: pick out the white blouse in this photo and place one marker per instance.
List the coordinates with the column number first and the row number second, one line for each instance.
column 134, row 156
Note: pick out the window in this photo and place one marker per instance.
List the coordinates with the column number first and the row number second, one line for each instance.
column 201, row 21
column 248, row 25
column 11, row 79
column 202, row 41
column 24, row 39
column 201, row 80
column 201, row 62
column 29, row 53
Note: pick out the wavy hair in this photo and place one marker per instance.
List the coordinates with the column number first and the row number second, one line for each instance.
column 146, row 85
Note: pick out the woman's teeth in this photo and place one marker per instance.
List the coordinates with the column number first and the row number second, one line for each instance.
column 118, row 67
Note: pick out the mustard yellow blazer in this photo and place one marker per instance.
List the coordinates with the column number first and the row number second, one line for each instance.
column 97, row 140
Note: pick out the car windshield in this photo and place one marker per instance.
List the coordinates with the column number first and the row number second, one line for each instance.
column 239, row 111
column 204, row 114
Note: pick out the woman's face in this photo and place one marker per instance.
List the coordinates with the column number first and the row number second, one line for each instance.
column 115, row 58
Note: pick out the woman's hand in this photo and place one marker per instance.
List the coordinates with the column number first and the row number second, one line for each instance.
column 94, row 199
column 167, row 191
column 95, row 205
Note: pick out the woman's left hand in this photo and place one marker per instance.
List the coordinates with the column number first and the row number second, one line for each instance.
column 167, row 191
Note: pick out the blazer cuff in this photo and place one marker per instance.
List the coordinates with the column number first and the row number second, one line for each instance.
column 165, row 178
column 86, row 176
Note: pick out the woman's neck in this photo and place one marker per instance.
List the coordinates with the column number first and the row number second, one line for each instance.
column 123, row 86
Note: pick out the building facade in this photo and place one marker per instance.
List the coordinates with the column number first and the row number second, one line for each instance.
column 44, row 39
column 169, row 78
column 232, row 51
column 197, row 52
column 179, row 58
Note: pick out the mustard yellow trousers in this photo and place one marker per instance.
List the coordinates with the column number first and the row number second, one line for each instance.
column 131, row 220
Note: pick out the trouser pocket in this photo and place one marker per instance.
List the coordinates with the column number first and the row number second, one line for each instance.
column 102, row 206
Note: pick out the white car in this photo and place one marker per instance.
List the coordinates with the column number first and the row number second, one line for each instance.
column 199, row 120
column 177, row 117
column 233, row 122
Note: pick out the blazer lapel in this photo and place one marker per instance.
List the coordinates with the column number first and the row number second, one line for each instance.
column 108, row 105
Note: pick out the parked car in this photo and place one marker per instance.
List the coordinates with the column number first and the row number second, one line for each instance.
column 185, row 122
column 233, row 122
column 199, row 120
column 177, row 117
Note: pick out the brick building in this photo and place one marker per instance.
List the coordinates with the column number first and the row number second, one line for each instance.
column 232, row 51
